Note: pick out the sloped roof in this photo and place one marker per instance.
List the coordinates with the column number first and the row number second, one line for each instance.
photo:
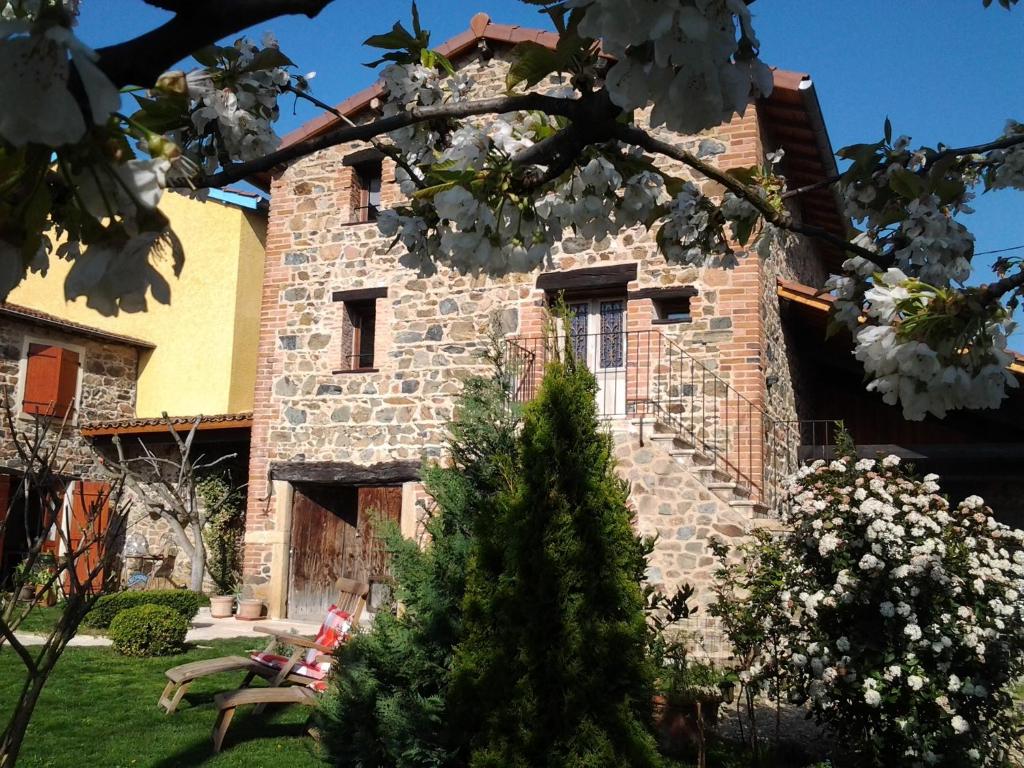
column 34, row 316
column 159, row 424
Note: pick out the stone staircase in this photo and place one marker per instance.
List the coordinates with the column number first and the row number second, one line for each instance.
column 732, row 491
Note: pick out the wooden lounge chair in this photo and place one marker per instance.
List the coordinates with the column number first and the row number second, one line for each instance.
column 299, row 668
column 229, row 701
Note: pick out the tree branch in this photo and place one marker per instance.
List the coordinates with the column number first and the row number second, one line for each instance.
column 195, row 25
column 994, row 291
column 498, row 105
column 779, row 218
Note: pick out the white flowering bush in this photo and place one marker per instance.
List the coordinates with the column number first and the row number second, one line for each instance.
column 901, row 615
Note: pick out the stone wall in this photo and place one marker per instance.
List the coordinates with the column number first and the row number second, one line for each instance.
column 431, row 330
column 109, row 372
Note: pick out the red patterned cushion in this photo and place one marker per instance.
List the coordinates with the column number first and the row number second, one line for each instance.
column 333, row 632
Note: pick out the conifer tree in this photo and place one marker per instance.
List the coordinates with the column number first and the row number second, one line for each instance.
column 388, row 702
column 552, row 670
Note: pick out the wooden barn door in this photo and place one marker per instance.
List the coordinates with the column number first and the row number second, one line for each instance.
column 332, row 537
column 376, row 503
column 88, row 520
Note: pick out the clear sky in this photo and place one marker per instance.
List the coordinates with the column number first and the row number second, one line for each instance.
column 941, row 70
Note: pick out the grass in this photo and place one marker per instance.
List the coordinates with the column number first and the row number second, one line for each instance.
column 41, row 620
column 99, row 708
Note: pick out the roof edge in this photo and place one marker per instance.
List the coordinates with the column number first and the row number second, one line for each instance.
column 37, row 317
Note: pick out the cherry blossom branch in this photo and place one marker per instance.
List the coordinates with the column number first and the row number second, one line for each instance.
column 994, row 291
column 195, row 25
column 532, row 101
column 779, row 218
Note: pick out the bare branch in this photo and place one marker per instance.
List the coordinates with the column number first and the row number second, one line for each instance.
column 499, row 105
column 195, row 25
column 994, row 291
column 779, row 218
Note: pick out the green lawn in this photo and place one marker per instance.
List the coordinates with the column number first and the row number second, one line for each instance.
column 99, row 709
column 41, row 620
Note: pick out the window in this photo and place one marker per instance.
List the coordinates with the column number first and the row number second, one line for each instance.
column 361, row 322
column 367, row 176
column 672, row 310
column 51, row 381
column 358, row 327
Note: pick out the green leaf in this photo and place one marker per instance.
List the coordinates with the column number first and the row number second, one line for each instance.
column 741, row 229
column 888, row 131
column 208, row 56
column 399, row 38
column 906, row 183
column 531, row 63
column 269, row 58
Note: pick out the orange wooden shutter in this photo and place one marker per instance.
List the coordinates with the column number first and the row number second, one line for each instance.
column 90, row 516
column 42, row 379
column 67, row 383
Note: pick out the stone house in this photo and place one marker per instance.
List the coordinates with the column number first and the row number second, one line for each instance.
column 195, row 355
column 59, row 372
column 360, row 357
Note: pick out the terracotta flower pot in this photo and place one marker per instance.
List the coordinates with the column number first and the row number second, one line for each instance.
column 249, row 609
column 221, row 606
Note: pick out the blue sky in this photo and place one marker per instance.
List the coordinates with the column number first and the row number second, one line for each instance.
column 941, row 70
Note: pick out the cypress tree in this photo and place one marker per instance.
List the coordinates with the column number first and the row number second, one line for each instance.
column 552, row 668
column 388, row 702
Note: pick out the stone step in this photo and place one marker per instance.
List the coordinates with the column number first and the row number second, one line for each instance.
column 691, row 457
column 753, row 510
column 772, row 524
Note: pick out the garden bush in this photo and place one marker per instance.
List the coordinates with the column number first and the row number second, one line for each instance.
column 898, row 617
column 182, row 601
column 148, row 630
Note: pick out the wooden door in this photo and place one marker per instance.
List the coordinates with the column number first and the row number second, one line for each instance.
column 323, row 548
column 88, row 521
column 376, row 503
column 597, row 330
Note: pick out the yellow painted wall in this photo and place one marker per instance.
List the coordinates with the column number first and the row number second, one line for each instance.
column 206, row 338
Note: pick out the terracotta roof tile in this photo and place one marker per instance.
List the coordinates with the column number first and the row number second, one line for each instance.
column 158, row 424
column 36, row 317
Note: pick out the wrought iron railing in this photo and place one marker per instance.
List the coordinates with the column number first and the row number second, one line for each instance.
column 646, row 376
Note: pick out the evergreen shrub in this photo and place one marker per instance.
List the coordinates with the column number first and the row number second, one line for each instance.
column 148, row 630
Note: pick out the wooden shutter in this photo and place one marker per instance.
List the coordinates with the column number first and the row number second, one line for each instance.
column 51, row 380
column 67, row 383
column 90, row 516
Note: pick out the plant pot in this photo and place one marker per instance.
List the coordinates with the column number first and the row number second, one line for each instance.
column 249, row 609
column 221, row 606
column 27, row 593
column 47, row 597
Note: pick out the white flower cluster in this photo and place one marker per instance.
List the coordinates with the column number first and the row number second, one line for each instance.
column 907, row 370
column 909, row 617
column 35, row 70
column 243, row 107
column 689, row 234
column 682, row 55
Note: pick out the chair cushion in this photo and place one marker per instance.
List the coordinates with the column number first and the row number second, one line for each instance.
column 333, row 632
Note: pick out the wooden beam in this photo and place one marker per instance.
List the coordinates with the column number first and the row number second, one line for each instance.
column 608, row 276
column 345, row 473
column 360, row 294
column 369, row 155
column 676, row 292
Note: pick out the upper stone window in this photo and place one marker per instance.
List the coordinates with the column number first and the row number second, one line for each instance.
column 50, row 383
column 359, row 328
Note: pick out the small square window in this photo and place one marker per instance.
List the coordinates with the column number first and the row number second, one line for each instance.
column 672, row 310
column 367, row 177
column 359, row 335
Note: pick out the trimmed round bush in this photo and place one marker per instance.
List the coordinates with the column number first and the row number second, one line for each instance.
column 148, row 630
column 182, row 601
